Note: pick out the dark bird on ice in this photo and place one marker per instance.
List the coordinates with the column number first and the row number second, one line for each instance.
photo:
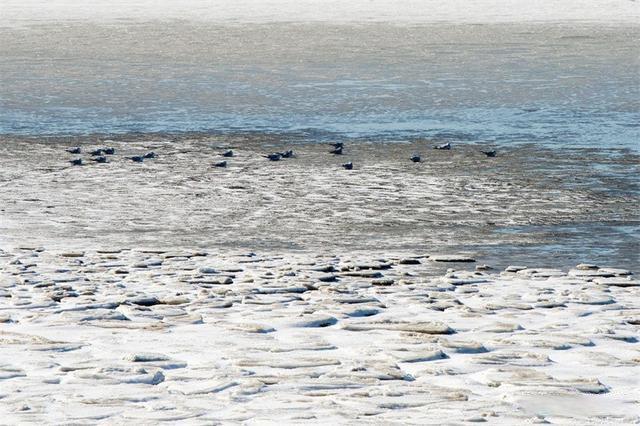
column 286, row 154
column 273, row 157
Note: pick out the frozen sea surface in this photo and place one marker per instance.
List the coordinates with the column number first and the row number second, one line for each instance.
column 170, row 290
column 528, row 205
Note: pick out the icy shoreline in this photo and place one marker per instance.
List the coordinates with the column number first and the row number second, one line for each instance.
column 357, row 305
column 146, row 335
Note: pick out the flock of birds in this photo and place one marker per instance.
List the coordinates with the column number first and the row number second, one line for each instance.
column 100, row 155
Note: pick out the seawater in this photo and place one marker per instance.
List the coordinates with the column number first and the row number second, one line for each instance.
column 558, row 85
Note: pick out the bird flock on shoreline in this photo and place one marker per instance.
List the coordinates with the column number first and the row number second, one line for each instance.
column 101, row 155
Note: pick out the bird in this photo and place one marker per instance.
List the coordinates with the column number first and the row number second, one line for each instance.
column 491, row 153
column 443, row 146
column 286, row 154
column 415, row 158
column 137, row 158
column 76, row 162
column 109, row 151
column 228, row 153
column 348, row 166
column 220, row 164
column 336, row 151
column 100, row 159
column 96, row 152
column 74, row 150
column 273, row 157
column 150, row 154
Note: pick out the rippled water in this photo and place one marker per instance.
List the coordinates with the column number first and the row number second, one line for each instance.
column 558, row 85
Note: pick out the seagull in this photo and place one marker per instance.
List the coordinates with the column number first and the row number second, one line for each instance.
column 76, row 162
column 74, row 150
column 415, row 158
column 443, row 146
column 150, row 154
column 348, row 166
column 100, row 159
column 109, row 151
column 491, row 153
column 273, row 157
column 228, row 153
column 137, row 158
column 220, row 164
column 96, row 152
column 336, row 151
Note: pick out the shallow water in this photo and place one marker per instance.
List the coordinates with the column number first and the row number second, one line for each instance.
column 557, row 85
